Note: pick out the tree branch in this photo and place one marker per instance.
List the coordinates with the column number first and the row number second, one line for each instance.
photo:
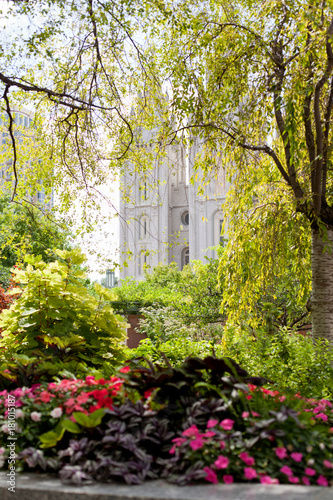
column 318, row 175
column 11, row 133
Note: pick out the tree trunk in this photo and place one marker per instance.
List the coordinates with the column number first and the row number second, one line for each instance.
column 322, row 285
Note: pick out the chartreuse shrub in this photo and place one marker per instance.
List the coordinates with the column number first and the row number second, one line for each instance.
column 175, row 350
column 293, row 361
column 56, row 325
column 206, row 420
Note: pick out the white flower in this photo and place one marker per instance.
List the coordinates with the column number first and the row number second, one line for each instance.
column 56, row 413
column 2, row 450
column 5, row 428
column 35, row 416
column 19, row 414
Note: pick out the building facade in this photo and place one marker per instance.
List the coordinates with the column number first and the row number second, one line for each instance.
column 163, row 219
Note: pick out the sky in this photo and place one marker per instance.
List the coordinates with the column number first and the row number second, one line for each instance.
column 103, row 242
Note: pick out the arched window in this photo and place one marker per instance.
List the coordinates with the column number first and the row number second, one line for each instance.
column 185, row 218
column 143, row 227
column 143, row 261
column 217, row 229
column 185, row 257
column 144, row 191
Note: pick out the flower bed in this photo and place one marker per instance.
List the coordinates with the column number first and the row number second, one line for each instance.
column 205, row 421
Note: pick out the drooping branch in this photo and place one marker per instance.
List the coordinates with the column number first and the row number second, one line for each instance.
column 239, row 141
column 307, row 118
column 327, row 123
column 11, row 133
column 318, row 175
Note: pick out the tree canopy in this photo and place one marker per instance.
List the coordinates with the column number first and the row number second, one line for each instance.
column 252, row 85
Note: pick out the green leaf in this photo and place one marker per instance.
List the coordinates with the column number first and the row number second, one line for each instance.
column 70, row 426
column 51, row 438
column 91, row 420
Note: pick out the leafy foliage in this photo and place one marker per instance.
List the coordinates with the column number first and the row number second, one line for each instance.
column 194, row 292
column 176, row 350
column 291, row 359
column 25, row 230
column 56, row 324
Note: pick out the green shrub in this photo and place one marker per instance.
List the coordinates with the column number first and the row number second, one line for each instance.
column 193, row 293
column 293, row 361
column 176, row 350
column 56, row 324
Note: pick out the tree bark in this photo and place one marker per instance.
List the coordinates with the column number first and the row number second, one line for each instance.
column 322, row 285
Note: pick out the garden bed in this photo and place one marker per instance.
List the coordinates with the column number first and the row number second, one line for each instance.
column 206, row 421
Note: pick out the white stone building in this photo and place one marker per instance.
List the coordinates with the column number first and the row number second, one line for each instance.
column 164, row 219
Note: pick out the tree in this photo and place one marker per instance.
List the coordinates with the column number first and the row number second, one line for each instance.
column 255, row 86
column 26, row 230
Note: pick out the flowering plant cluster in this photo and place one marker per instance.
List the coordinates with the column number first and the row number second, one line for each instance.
column 207, row 420
column 49, row 408
column 222, row 454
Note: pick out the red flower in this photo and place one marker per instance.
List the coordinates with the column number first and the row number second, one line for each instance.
column 124, row 369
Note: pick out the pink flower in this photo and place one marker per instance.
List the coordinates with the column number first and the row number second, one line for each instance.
column 250, row 473
column 255, row 414
column 192, row 431
column 293, row 479
column 221, row 462
column 35, row 416
column 178, row 441
column 228, row 479
column 306, row 480
column 322, row 416
column 45, row 396
column 222, row 445
column 208, row 434
column 211, row 423
column 296, row 456
column 211, row 477
column 246, row 458
column 268, row 480
column 322, row 481
column 245, row 414
column 310, row 472
column 227, row 424
column 197, row 443
column 326, row 463
column 83, row 397
column 70, row 402
column 319, row 408
column 281, row 453
column 282, row 398
column 286, row 470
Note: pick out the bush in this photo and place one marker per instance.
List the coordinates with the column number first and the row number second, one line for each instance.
column 193, row 293
column 56, row 324
column 293, row 361
column 175, row 350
